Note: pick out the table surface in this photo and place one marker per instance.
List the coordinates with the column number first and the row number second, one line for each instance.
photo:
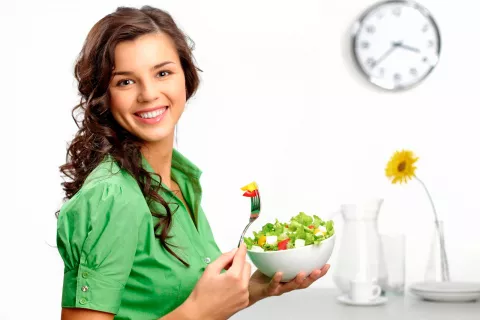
column 320, row 303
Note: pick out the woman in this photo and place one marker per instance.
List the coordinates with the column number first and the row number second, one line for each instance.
column 134, row 239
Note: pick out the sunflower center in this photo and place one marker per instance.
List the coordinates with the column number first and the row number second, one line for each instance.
column 401, row 166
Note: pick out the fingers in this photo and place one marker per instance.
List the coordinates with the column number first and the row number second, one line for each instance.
column 314, row 276
column 310, row 279
column 276, row 278
column 239, row 261
column 228, row 265
column 222, row 262
column 325, row 270
column 247, row 272
column 274, row 283
column 301, row 281
column 294, row 283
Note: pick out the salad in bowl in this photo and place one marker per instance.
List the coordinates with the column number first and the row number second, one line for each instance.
column 302, row 230
column 303, row 244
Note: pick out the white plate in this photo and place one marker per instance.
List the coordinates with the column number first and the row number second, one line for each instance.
column 447, row 291
column 447, row 297
column 375, row 302
column 447, row 287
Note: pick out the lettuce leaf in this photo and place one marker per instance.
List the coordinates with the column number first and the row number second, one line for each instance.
column 303, row 219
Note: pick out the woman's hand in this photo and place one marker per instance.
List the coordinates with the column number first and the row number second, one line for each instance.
column 261, row 286
column 219, row 295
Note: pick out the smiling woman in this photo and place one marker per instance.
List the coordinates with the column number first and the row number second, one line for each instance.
column 132, row 234
column 147, row 99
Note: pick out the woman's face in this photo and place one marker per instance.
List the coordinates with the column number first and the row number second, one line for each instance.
column 147, row 88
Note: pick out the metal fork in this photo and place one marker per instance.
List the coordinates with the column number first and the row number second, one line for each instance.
column 254, row 196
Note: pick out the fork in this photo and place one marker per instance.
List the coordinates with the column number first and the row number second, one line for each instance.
column 251, row 191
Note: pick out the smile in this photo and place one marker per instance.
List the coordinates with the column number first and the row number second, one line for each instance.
column 151, row 116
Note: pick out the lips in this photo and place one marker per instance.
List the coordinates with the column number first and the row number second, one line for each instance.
column 151, row 116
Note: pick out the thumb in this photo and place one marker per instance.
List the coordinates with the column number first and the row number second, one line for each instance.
column 223, row 261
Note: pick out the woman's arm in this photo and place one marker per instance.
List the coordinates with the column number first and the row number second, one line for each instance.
column 216, row 295
column 186, row 311
column 84, row 314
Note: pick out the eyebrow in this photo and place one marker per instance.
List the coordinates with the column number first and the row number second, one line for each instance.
column 128, row 73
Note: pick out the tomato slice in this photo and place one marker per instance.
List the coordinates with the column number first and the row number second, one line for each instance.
column 250, row 194
column 282, row 245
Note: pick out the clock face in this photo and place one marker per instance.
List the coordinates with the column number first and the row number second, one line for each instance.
column 396, row 44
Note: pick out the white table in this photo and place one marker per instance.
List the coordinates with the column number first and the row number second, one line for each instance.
column 319, row 303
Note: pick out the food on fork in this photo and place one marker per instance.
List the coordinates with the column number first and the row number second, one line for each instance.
column 302, row 230
column 251, row 190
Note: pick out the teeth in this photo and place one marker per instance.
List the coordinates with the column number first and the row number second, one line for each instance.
column 152, row 114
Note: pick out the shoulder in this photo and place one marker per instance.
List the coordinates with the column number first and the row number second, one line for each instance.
column 109, row 172
column 108, row 190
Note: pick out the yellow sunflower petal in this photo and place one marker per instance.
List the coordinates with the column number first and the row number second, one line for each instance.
column 400, row 167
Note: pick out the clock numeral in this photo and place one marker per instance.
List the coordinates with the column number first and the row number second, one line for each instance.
column 413, row 71
column 397, row 77
column 371, row 62
column 430, row 43
column 370, row 29
column 380, row 15
column 425, row 59
column 397, row 11
column 365, row 45
column 425, row 28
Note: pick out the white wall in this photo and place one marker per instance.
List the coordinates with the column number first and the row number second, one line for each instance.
column 280, row 103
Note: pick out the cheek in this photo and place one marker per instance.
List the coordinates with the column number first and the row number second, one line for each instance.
column 181, row 99
column 178, row 96
column 120, row 102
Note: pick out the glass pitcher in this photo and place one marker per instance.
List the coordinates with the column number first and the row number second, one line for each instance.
column 360, row 253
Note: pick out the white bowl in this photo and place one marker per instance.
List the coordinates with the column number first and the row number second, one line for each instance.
column 293, row 261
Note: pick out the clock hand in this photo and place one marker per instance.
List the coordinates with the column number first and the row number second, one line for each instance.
column 385, row 55
column 401, row 45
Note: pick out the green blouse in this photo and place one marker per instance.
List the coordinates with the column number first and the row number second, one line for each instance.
column 113, row 262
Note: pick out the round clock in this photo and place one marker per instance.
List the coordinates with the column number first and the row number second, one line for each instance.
column 396, row 44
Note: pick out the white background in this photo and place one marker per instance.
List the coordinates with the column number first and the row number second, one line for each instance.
column 280, row 103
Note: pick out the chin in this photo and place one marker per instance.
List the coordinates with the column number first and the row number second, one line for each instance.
column 158, row 136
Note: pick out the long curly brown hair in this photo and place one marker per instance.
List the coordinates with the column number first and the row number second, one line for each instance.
column 98, row 133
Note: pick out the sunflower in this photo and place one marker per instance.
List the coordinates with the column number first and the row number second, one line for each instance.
column 401, row 166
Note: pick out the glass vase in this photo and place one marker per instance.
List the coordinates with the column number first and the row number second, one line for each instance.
column 437, row 269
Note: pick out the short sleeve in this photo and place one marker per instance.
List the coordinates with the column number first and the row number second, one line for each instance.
column 97, row 235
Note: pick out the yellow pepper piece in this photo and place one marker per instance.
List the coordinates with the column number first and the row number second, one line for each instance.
column 262, row 240
column 315, row 231
column 250, row 187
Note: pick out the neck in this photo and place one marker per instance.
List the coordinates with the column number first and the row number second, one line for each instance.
column 159, row 156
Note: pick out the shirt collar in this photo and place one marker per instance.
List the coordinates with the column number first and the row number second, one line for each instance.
column 180, row 164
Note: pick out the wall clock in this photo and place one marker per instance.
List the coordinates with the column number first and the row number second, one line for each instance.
column 396, row 44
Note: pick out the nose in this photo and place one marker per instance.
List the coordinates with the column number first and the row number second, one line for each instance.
column 148, row 92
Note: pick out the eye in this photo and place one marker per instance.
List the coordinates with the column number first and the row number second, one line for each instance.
column 122, row 83
column 163, row 73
